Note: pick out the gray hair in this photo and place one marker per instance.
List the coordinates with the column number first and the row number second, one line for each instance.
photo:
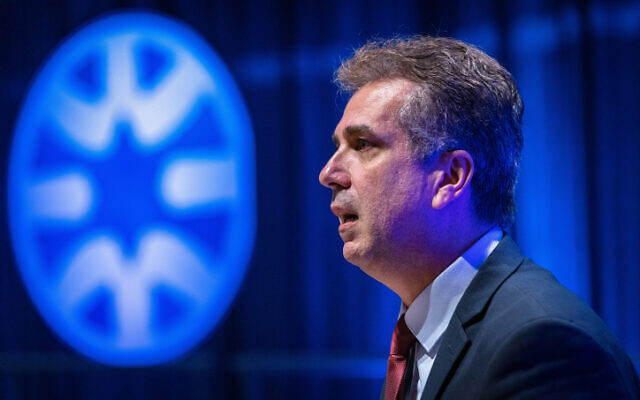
column 463, row 99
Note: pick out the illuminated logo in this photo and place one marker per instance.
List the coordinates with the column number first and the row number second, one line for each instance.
column 132, row 190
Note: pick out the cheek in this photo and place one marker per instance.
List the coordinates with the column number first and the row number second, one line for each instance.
column 403, row 203
column 388, row 199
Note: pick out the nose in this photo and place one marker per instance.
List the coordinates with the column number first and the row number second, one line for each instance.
column 334, row 174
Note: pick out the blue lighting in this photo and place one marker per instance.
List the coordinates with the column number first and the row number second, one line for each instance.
column 132, row 190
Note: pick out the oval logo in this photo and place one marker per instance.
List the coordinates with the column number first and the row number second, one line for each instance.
column 132, row 190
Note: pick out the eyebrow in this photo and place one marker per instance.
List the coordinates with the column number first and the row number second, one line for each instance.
column 353, row 130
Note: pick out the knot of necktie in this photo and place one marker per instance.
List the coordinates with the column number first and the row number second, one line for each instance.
column 402, row 339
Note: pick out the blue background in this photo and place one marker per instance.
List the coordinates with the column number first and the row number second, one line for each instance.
column 305, row 323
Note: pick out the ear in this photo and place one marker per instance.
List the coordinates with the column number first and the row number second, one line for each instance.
column 456, row 169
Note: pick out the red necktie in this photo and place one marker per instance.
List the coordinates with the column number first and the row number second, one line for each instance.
column 401, row 343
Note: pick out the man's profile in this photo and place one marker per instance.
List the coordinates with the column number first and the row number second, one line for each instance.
column 423, row 183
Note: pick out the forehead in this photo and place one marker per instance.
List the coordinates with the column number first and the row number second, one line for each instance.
column 375, row 105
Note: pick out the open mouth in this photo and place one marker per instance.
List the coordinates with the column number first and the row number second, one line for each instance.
column 349, row 218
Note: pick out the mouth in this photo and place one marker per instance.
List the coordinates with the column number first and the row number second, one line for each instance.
column 346, row 221
column 346, row 218
column 346, row 215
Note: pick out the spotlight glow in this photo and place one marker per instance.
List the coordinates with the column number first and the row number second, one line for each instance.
column 132, row 190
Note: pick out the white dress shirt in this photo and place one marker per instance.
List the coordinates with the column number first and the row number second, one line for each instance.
column 430, row 313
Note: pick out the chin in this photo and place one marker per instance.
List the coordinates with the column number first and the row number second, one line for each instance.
column 363, row 260
column 352, row 253
column 357, row 254
column 348, row 251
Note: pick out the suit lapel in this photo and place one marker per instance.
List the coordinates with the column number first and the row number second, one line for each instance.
column 454, row 343
column 500, row 264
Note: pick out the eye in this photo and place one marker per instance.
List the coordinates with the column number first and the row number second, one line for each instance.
column 362, row 144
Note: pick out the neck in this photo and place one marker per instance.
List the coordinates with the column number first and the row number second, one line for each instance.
column 414, row 275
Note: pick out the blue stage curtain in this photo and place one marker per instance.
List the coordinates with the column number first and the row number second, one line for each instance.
column 306, row 324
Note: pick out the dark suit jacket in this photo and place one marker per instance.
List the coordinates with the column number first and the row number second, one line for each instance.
column 519, row 334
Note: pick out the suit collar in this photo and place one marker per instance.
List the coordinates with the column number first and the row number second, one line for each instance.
column 500, row 264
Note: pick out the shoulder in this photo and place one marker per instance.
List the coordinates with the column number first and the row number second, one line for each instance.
column 550, row 357
column 531, row 301
column 536, row 331
column 532, row 293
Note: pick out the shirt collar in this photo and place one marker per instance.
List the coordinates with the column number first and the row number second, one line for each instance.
column 430, row 313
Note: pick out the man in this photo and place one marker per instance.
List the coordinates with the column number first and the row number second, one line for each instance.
column 423, row 181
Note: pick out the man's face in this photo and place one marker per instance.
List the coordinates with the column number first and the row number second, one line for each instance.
column 380, row 192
